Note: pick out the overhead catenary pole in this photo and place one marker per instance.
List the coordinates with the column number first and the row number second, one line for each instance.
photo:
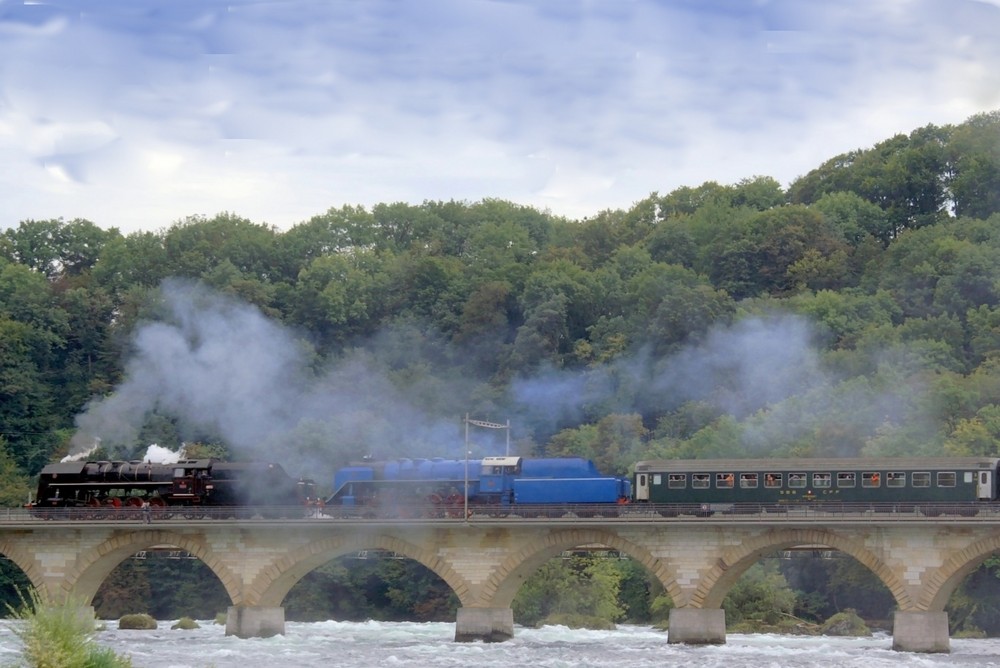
column 465, row 507
column 487, row 425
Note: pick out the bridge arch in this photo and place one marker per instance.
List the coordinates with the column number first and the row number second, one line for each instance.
column 943, row 582
column 271, row 586
column 502, row 586
column 719, row 579
column 94, row 566
column 28, row 565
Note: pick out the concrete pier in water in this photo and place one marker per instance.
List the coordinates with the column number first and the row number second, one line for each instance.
column 697, row 626
column 485, row 624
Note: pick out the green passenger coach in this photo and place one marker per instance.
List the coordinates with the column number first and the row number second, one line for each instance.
column 792, row 481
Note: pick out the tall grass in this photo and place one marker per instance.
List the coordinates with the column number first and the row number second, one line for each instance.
column 58, row 636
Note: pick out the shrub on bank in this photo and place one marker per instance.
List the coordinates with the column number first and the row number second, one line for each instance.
column 59, row 636
column 846, row 623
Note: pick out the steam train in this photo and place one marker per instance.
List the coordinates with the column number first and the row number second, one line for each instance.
column 498, row 486
column 189, row 484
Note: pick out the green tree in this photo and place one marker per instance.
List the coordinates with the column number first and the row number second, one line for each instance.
column 15, row 486
column 761, row 595
column 973, row 151
column 576, row 585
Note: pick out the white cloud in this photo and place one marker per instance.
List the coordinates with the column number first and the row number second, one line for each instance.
column 150, row 112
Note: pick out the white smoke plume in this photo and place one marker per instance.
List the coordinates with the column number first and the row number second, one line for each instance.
column 764, row 370
column 220, row 368
column 157, row 454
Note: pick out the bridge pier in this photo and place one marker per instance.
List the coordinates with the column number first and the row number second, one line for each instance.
column 247, row 621
column 697, row 626
column 486, row 624
column 920, row 632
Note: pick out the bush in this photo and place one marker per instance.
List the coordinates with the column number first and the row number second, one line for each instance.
column 60, row 637
column 142, row 622
column 185, row 624
column 846, row 623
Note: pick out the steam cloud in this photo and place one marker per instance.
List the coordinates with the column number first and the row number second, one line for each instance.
column 225, row 372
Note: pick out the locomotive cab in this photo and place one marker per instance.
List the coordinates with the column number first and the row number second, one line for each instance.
column 496, row 479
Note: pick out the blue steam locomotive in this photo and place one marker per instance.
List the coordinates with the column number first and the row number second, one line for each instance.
column 437, row 487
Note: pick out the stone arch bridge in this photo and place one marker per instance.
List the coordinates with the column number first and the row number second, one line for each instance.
column 920, row 559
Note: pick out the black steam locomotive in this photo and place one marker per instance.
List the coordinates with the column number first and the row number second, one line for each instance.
column 187, row 484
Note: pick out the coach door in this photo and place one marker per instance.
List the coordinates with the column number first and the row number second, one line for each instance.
column 984, row 490
column 642, row 487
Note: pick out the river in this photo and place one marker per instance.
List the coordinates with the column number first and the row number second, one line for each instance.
column 430, row 645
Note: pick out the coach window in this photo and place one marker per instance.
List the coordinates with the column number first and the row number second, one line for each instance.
column 657, row 479
column 748, row 480
column 895, row 479
column 700, row 480
column 821, row 479
column 871, row 479
column 724, row 480
column 676, row 480
column 846, row 480
column 772, row 480
column 920, row 479
column 946, row 479
column 796, row 479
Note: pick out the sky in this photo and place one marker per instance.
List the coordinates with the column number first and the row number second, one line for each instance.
column 137, row 114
